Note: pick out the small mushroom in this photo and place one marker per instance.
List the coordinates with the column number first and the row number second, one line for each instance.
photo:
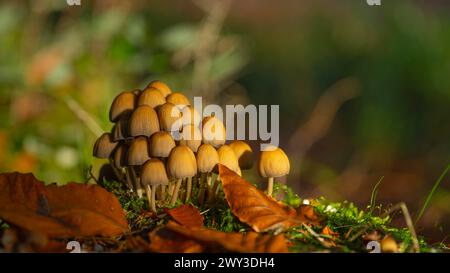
column 273, row 162
column 153, row 174
column 151, row 97
column 161, row 143
column 388, row 245
column 170, row 117
column 191, row 116
column 120, row 130
column 207, row 159
column 144, row 121
column 213, row 131
column 104, row 146
column 181, row 164
column 119, row 163
column 137, row 154
column 162, row 87
column 244, row 154
column 191, row 137
column 178, row 100
column 122, row 104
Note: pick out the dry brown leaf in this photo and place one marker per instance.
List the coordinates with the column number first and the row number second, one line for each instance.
column 164, row 240
column 73, row 210
column 258, row 210
column 186, row 215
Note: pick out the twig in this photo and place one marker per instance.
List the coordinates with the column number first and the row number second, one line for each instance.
column 317, row 236
column 83, row 116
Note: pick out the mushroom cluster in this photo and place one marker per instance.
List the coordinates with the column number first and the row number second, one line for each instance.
column 160, row 146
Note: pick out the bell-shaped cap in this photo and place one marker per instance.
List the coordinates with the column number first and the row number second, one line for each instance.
column 244, row 154
column 273, row 162
column 191, row 136
column 123, row 104
column 161, row 143
column 154, row 173
column 162, row 87
column 104, row 146
column 151, row 97
column 228, row 158
column 144, row 121
column 178, row 99
column 181, row 163
column 207, row 158
column 138, row 152
column 191, row 116
column 170, row 117
column 213, row 131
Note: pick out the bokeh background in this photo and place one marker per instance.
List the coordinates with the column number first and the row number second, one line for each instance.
column 364, row 92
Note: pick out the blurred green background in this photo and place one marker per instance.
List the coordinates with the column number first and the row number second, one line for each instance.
column 364, row 92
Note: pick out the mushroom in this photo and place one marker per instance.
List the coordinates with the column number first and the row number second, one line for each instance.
column 213, row 131
column 162, row 87
column 181, row 164
column 153, row 173
column 119, row 163
column 244, row 154
column 273, row 162
column 120, row 129
column 104, row 146
column 388, row 245
column 170, row 117
column 207, row 159
column 137, row 155
column 122, row 104
column 191, row 137
column 151, row 97
column 178, row 99
column 191, row 116
column 144, row 121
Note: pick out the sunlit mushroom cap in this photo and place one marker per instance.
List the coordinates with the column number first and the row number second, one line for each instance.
column 273, row 162
column 161, row 143
column 170, row 117
column 162, row 87
column 151, row 97
column 191, row 116
column 104, row 146
column 207, row 158
column 119, row 156
column 178, row 100
column 213, row 131
column 228, row 158
column 181, row 163
column 122, row 104
column 144, row 121
column 138, row 152
column 191, row 136
column 244, row 154
column 154, row 173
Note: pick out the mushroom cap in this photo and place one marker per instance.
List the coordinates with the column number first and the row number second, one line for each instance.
column 120, row 129
column 162, row 87
column 144, row 121
column 207, row 158
column 388, row 245
column 178, row 99
column 153, row 173
column 137, row 152
column 161, row 143
column 104, row 146
column 228, row 158
column 122, row 104
column 213, row 131
column 151, row 97
column 191, row 116
column 170, row 117
column 181, row 163
column 244, row 154
column 273, row 162
column 191, row 136
column 119, row 156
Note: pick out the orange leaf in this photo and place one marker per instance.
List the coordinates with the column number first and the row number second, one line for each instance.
column 68, row 211
column 258, row 210
column 186, row 215
column 164, row 240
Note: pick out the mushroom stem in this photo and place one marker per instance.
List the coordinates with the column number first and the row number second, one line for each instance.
column 188, row 189
column 201, row 193
column 212, row 189
column 270, row 186
column 117, row 173
column 175, row 192
column 171, row 188
column 150, row 194
column 129, row 180
column 136, row 181
column 163, row 192
column 154, row 187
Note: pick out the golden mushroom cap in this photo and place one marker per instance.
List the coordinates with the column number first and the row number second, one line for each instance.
column 228, row 158
column 178, row 99
column 122, row 104
column 244, row 154
column 153, row 173
column 104, row 146
column 119, row 156
column 207, row 158
column 120, row 129
column 144, row 121
column 138, row 152
column 162, row 87
column 161, row 143
column 191, row 136
column 388, row 245
column 181, row 163
column 191, row 116
column 213, row 131
column 170, row 117
column 273, row 162
column 151, row 97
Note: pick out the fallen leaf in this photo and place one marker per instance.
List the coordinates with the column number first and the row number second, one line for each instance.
column 15, row 240
column 186, row 215
column 328, row 231
column 164, row 240
column 72, row 210
column 258, row 210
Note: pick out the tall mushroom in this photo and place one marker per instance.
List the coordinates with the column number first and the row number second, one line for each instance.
column 244, row 154
column 162, row 87
column 207, row 159
column 273, row 162
column 153, row 174
column 137, row 155
column 181, row 164
column 144, row 121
